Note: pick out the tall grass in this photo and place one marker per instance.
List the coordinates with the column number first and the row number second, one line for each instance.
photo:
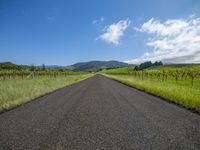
column 181, row 93
column 17, row 90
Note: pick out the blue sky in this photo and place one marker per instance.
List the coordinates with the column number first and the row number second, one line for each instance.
column 63, row 32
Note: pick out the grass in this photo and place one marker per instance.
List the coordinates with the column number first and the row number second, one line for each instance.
column 17, row 91
column 181, row 93
column 176, row 66
column 119, row 70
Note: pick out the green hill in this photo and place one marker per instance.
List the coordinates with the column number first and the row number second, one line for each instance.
column 176, row 66
column 12, row 66
column 97, row 65
column 124, row 70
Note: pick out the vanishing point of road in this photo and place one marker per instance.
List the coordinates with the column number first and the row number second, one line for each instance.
column 99, row 113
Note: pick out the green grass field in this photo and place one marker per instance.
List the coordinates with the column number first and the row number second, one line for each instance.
column 17, row 90
column 181, row 91
column 177, row 66
column 124, row 70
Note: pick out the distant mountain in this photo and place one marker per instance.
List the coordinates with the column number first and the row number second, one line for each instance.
column 82, row 66
column 97, row 65
column 53, row 67
column 12, row 66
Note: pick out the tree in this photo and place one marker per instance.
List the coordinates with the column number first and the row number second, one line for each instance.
column 10, row 66
column 136, row 68
column 43, row 67
column 158, row 63
column 148, row 64
column 32, row 68
column 145, row 65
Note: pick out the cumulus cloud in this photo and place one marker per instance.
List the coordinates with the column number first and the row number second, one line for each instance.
column 114, row 32
column 175, row 41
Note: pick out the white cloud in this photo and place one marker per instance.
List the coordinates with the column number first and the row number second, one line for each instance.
column 176, row 41
column 114, row 32
column 97, row 21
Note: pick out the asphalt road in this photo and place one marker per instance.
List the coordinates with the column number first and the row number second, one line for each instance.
column 99, row 113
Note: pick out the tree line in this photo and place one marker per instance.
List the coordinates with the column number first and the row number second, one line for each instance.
column 11, row 70
column 148, row 64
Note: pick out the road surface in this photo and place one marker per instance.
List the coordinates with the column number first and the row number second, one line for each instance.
column 99, row 113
